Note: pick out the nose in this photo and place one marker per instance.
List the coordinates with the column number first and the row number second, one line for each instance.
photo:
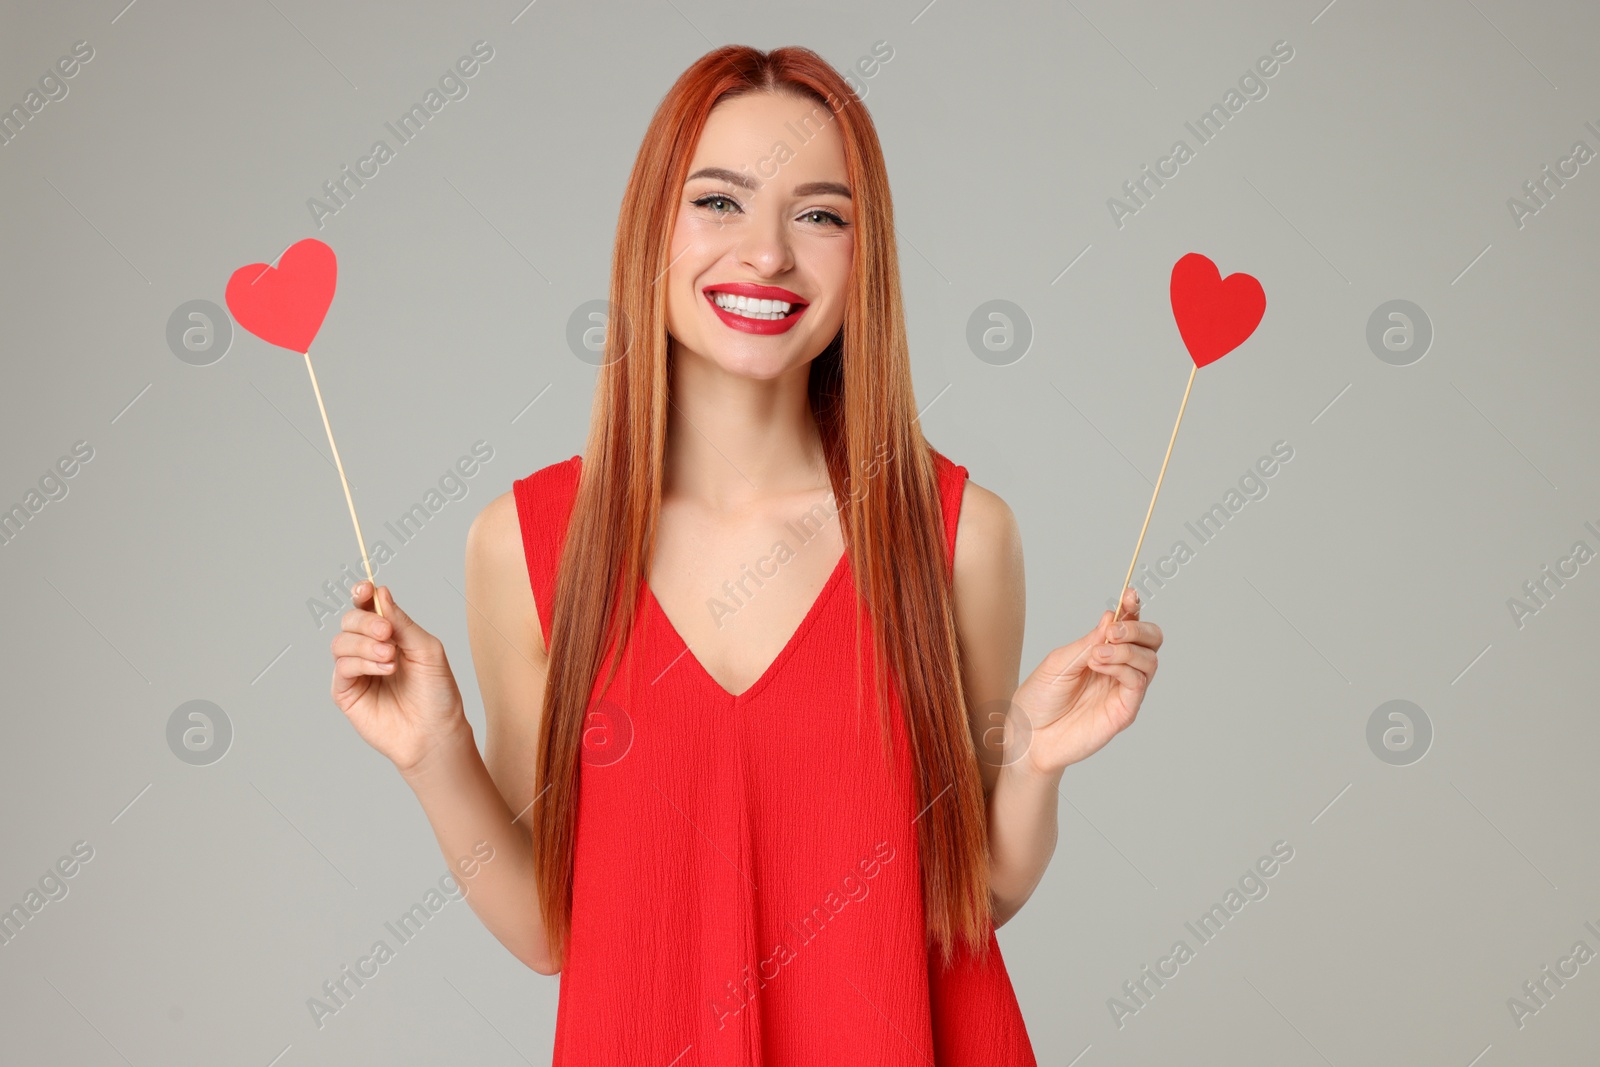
column 765, row 247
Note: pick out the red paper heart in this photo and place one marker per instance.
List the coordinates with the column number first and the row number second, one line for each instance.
column 285, row 305
column 1215, row 314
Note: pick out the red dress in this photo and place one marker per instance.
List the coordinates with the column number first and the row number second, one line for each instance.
column 746, row 886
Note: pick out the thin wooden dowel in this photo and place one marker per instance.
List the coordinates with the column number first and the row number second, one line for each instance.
column 345, row 482
column 1134, row 562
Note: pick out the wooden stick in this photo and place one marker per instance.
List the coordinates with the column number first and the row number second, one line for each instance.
column 342, row 481
column 1153, row 495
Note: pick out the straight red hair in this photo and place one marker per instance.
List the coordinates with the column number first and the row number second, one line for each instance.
column 891, row 517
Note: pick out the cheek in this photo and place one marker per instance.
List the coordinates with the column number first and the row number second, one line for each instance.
column 841, row 258
column 836, row 267
column 685, row 318
column 680, row 306
column 688, row 264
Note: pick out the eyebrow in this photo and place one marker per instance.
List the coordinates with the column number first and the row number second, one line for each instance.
column 744, row 181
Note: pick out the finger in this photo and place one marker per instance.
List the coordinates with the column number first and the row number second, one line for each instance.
column 1125, row 653
column 383, row 629
column 1102, row 632
column 1070, row 657
column 1067, row 660
column 407, row 635
column 1084, row 646
column 347, row 643
column 1130, row 603
column 1124, row 674
column 361, row 618
column 1137, row 633
column 355, row 666
column 394, row 624
column 1137, row 656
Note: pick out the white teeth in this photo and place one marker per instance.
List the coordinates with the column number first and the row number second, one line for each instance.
column 749, row 307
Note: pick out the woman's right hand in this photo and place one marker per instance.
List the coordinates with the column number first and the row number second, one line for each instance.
column 392, row 681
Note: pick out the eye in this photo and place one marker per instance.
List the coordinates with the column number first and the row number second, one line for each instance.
column 712, row 198
column 833, row 220
column 828, row 218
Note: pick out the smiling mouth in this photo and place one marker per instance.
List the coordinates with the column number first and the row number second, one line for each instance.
column 756, row 310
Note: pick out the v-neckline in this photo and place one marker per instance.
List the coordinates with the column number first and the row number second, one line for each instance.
column 784, row 653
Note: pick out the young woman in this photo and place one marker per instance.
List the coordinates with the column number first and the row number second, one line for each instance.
column 758, row 778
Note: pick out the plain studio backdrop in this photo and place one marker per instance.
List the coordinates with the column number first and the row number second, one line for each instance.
column 1407, row 183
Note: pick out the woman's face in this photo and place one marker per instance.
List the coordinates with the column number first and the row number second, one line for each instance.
column 765, row 215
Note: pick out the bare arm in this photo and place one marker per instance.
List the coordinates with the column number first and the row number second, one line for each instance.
column 412, row 712
column 1080, row 696
column 510, row 660
column 990, row 606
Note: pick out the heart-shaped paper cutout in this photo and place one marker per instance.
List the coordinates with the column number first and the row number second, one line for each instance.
column 1215, row 314
column 285, row 305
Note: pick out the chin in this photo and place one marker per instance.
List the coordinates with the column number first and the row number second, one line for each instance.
column 748, row 361
column 750, row 365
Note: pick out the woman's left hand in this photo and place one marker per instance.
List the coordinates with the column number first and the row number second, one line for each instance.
column 1085, row 693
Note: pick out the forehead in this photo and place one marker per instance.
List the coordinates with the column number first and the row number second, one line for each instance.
column 760, row 132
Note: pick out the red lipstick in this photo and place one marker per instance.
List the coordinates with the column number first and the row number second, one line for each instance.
column 797, row 307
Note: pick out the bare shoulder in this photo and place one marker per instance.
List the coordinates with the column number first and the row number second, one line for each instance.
column 508, row 653
column 498, row 589
column 496, row 531
column 988, row 599
column 988, row 543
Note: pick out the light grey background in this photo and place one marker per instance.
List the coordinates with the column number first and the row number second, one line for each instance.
column 1379, row 566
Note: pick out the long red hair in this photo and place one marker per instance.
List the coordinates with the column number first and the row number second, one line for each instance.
column 889, row 509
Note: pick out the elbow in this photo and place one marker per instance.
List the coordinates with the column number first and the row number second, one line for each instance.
column 531, row 948
column 541, row 962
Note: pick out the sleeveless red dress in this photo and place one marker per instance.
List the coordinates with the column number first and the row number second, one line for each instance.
column 746, row 887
